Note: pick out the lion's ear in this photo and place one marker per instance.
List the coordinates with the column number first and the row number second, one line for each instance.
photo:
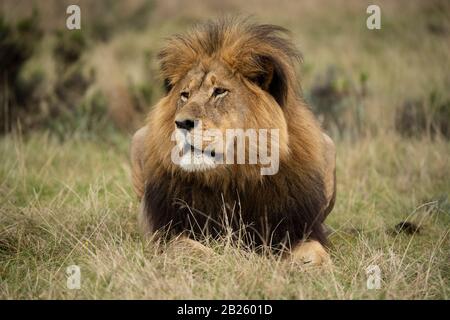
column 271, row 77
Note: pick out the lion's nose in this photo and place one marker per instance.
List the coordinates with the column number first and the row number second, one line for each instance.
column 187, row 124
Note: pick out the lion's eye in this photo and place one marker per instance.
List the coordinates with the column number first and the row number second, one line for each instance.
column 219, row 92
column 184, row 95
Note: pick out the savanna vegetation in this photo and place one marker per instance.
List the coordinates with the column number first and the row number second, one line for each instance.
column 70, row 100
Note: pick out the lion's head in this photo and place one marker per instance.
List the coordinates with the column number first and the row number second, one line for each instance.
column 228, row 75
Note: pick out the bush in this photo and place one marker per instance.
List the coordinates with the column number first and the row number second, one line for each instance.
column 69, row 47
column 429, row 116
column 17, row 44
column 338, row 102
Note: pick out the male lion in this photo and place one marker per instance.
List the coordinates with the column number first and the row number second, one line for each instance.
column 233, row 74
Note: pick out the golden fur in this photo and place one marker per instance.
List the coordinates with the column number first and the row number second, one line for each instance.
column 255, row 63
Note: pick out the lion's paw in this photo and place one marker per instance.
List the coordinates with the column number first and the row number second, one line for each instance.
column 310, row 253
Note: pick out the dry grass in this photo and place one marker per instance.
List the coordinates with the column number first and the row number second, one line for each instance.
column 69, row 201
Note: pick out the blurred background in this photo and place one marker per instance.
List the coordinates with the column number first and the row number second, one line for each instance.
column 104, row 78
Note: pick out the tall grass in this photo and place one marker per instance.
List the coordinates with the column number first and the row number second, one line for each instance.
column 71, row 203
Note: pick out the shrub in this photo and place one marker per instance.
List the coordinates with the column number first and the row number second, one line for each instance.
column 429, row 116
column 338, row 102
column 17, row 44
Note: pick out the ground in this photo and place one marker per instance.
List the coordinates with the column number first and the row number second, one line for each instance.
column 72, row 203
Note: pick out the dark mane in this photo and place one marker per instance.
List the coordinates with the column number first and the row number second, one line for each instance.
column 259, row 210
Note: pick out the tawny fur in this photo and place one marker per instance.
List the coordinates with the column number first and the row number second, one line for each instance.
column 257, row 63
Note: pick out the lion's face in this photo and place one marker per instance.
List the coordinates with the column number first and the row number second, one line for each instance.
column 209, row 102
column 215, row 108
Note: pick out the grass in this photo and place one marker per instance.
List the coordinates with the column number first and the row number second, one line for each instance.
column 67, row 199
column 65, row 203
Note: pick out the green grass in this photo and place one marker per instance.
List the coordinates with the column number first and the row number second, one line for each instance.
column 70, row 202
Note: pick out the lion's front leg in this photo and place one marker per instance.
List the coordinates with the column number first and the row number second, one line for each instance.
column 137, row 161
column 330, row 173
column 138, row 178
column 310, row 253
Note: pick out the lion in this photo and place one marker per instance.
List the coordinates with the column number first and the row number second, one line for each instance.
column 229, row 74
